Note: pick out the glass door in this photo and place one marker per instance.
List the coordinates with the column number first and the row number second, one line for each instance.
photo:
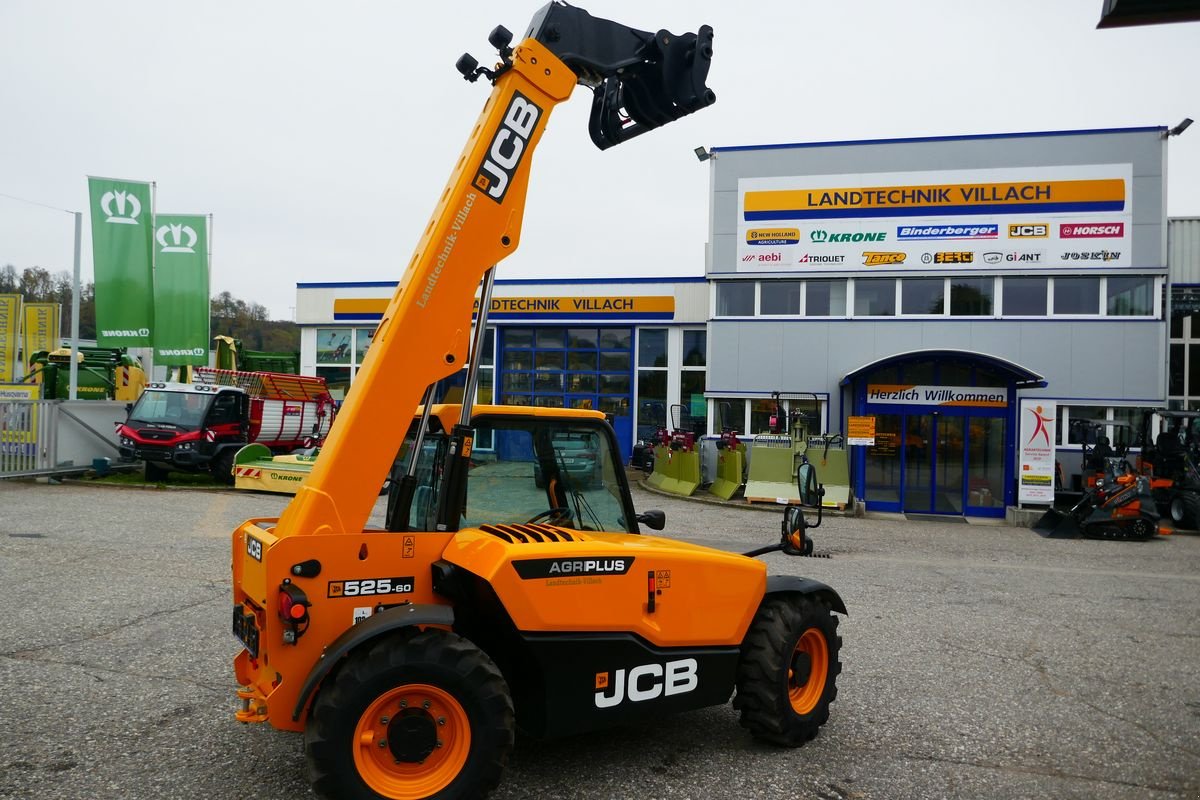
column 918, row 463
column 985, row 466
column 949, row 465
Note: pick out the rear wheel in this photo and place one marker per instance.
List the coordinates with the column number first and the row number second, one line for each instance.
column 1185, row 510
column 155, row 473
column 787, row 675
column 412, row 716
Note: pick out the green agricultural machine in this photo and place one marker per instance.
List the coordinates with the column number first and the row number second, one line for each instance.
column 104, row 373
column 231, row 355
column 731, row 459
column 676, row 460
column 777, row 459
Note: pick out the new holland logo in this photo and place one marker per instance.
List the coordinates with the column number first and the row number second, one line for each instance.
column 873, row 259
column 176, row 234
column 508, row 145
column 128, row 208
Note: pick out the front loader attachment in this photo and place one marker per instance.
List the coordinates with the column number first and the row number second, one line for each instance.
column 1055, row 524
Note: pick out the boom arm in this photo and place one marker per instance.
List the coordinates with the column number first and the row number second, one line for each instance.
column 425, row 331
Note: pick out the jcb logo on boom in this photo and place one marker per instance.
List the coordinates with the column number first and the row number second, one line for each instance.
column 647, row 682
column 507, row 147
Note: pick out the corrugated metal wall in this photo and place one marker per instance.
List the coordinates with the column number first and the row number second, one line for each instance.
column 1183, row 250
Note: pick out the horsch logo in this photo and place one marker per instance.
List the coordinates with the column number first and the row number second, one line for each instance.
column 1095, row 230
column 176, row 238
column 122, row 208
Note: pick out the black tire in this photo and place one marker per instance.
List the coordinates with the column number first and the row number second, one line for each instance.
column 1185, row 509
column 467, row 689
column 155, row 473
column 221, row 467
column 775, row 704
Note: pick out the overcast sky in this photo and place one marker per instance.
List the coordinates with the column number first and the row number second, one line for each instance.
column 319, row 135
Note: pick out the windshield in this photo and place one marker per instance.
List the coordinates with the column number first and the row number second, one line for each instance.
column 551, row 471
column 184, row 410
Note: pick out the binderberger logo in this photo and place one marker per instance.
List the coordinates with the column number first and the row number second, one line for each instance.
column 507, row 147
column 176, row 238
column 128, row 207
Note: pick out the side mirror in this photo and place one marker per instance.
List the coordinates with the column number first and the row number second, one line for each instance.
column 654, row 519
column 811, row 491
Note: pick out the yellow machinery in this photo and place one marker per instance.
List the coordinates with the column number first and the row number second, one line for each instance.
column 510, row 584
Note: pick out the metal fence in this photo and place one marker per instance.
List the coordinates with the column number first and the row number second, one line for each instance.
column 30, row 435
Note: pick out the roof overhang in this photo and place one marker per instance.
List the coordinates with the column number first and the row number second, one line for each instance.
column 1022, row 378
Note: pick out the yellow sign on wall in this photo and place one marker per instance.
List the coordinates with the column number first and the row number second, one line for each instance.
column 861, row 431
column 598, row 307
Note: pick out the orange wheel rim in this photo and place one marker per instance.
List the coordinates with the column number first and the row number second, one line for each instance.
column 807, row 671
column 411, row 742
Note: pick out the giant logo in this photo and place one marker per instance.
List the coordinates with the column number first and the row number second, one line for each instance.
column 647, row 682
column 507, row 147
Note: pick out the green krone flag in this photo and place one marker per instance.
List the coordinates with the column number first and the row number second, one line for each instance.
column 181, row 306
column 122, row 230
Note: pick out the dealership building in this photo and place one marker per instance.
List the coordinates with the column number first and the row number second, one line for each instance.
column 930, row 284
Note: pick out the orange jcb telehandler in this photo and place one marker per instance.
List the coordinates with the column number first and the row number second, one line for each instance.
column 510, row 584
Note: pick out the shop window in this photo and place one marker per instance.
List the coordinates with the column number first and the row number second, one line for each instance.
column 919, row 373
column 922, row 296
column 1076, row 296
column 362, row 340
column 825, row 298
column 1176, row 371
column 652, row 401
column 1130, row 297
column 954, row 373
column 544, row 360
column 1075, row 432
column 518, row 400
column 518, row 337
column 484, row 393
column 780, row 297
column 333, row 345
column 548, row 401
column 337, row 379
column 612, row 384
column 730, row 412
column 691, row 394
column 548, row 382
column 582, row 361
column 548, row 337
column 1193, row 373
column 735, row 299
column 612, row 362
column 583, row 382
column 617, row 406
column 695, row 347
column 518, row 382
column 875, row 297
column 761, row 411
column 518, row 359
column 582, row 338
column 986, row 376
column 971, row 297
column 616, row 338
column 1177, row 325
column 1025, row 297
column 652, row 347
column 1133, row 418
column 488, row 356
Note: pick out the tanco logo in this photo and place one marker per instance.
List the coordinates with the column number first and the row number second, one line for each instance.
column 126, row 332
column 821, row 237
column 183, row 351
column 875, row 259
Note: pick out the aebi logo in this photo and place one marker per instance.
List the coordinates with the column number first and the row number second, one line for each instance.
column 647, row 682
column 508, row 145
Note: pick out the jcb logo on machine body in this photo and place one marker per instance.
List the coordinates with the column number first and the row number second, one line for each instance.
column 507, row 147
column 647, row 682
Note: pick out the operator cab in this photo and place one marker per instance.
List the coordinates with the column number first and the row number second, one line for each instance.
column 185, row 407
column 534, row 467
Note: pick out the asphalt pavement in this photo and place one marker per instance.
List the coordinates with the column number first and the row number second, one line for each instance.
column 979, row 661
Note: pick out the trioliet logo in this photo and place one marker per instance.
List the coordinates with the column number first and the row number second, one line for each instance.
column 507, row 147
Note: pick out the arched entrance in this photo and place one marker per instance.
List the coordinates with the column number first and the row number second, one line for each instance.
column 945, row 431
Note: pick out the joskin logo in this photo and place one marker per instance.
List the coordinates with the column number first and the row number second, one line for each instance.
column 128, row 208
column 825, row 237
column 1029, row 230
column 534, row 568
column 182, row 238
column 875, row 259
column 773, row 236
column 126, row 332
column 910, row 232
column 183, row 351
column 507, row 147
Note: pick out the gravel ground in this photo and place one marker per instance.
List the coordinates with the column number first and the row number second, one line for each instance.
column 979, row 661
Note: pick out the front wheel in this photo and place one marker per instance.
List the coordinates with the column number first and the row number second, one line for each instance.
column 1185, row 509
column 222, row 467
column 412, row 716
column 787, row 675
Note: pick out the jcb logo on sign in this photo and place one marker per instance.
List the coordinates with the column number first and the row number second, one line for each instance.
column 1029, row 230
column 507, row 147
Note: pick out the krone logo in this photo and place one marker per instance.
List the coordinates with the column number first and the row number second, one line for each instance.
column 128, row 207
column 182, row 351
column 171, row 238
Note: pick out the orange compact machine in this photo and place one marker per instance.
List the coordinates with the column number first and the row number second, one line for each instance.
column 509, row 582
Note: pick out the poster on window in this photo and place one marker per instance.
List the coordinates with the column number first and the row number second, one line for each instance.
column 334, row 345
column 1038, row 436
column 986, row 219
